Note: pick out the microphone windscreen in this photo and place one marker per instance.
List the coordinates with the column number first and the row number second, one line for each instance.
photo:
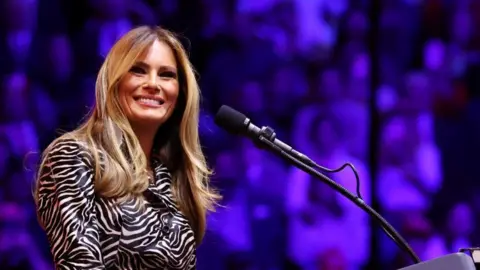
column 231, row 120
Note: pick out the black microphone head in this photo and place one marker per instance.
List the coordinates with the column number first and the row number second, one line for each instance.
column 231, row 120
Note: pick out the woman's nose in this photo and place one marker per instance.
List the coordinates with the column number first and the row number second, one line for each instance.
column 152, row 81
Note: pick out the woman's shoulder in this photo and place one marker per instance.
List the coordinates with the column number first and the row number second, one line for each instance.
column 68, row 146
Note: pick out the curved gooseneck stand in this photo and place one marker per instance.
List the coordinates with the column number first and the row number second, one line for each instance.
column 266, row 138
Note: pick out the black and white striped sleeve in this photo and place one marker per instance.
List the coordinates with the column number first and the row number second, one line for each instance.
column 66, row 207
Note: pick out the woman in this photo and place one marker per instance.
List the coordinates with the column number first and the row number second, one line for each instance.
column 129, row 188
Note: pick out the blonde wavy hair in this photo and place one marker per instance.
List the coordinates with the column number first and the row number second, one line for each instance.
column 108, row 131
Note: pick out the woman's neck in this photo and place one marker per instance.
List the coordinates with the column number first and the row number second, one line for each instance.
column 146, row 140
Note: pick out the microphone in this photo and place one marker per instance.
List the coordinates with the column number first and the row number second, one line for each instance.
column 237, row 123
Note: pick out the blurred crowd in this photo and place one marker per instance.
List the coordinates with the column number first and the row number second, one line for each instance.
column 301, row 67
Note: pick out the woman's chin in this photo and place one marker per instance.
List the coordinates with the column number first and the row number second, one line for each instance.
column 149, row 119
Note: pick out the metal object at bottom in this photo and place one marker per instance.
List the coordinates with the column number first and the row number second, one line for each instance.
column 454, row 261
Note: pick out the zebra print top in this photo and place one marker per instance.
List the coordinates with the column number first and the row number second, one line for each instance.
column 86, row 231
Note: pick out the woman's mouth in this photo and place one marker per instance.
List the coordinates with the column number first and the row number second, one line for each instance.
column 149, row 101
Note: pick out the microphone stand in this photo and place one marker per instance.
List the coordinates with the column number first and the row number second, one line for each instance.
column 267, row 140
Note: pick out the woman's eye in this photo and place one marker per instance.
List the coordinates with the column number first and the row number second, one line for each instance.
column 168, row 74
column 137, row 70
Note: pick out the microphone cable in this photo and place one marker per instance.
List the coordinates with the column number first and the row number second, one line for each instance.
column 359, row 195
column 357, row 180
column 339, row 169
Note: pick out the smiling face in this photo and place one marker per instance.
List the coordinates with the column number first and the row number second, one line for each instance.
column 148, row 92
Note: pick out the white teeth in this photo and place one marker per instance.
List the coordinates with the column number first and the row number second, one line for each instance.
column 150, row 101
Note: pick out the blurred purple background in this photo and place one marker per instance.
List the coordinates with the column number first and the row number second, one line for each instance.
column 394, row 89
